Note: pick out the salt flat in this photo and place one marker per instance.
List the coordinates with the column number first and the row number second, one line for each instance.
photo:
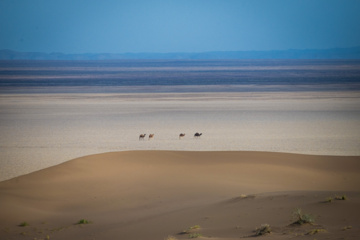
column 42, row 130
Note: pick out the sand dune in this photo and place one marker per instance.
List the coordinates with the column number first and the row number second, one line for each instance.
column 154, row 194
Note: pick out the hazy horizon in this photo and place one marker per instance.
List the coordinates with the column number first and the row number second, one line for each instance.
column 190, row 52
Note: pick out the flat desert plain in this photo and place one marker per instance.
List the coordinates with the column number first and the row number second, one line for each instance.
column 231, row 181
column 42, row 130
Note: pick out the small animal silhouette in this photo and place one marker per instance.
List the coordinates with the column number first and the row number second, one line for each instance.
column 151, row 136
column 142, row 136
column 197, row 135
column 181, row 135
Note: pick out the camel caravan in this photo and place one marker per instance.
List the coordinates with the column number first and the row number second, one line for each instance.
column 142, row 136
column 181, row 136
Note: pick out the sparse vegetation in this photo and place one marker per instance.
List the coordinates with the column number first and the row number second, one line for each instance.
column 24, row 224
column 337, row 197
column 347, row 228
column 192, row 234
column 315, row 231
column 263, row 229
column 170, row 238
column 343, row 197
column 195, row 235
column 194, row 227
column 83, row 221
column 302, row 218
column 329, row 200
column 190, row 229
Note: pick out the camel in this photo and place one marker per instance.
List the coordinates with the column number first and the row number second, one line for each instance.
column 142, row 136
column 181, row 135
column 151, row 135
column 197, row 135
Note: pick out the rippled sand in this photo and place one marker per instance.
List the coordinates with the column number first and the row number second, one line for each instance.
column 42, row 130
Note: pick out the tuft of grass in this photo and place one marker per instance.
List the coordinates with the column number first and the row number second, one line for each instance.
column 347, row 228
column 263, row 229
column 170, row 238
column 315, row 231
column 343, row 197
column 194, row 227
column 195, row 235
column 329, row 200
column 191, row 228
column 24, row 224
column 302, row 218
column 83, row 221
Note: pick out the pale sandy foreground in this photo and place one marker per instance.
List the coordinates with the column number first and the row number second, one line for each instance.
column 150, row 195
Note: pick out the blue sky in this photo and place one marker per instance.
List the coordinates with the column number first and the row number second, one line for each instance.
column 116, row 26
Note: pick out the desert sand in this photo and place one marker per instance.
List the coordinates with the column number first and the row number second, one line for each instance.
column 224, row 185
column 151, row 195
column 43, row 130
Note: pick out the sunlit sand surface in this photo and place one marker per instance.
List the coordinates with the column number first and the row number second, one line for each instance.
column 152, row 194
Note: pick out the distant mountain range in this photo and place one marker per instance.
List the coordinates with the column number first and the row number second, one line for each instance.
column 333, row 53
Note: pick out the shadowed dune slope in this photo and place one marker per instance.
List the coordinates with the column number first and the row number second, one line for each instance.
column 153, row 194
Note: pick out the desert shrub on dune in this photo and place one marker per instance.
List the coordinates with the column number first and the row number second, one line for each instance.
column 24, row 224
column 83, row 221
column 191, row 232
column 315, row 231
column 337, row 197
column 263, row 229
column 346, row 228
column 302, row 218
column 195, row 235
column 343, row 197
column 190, row 229
column 194, row 227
